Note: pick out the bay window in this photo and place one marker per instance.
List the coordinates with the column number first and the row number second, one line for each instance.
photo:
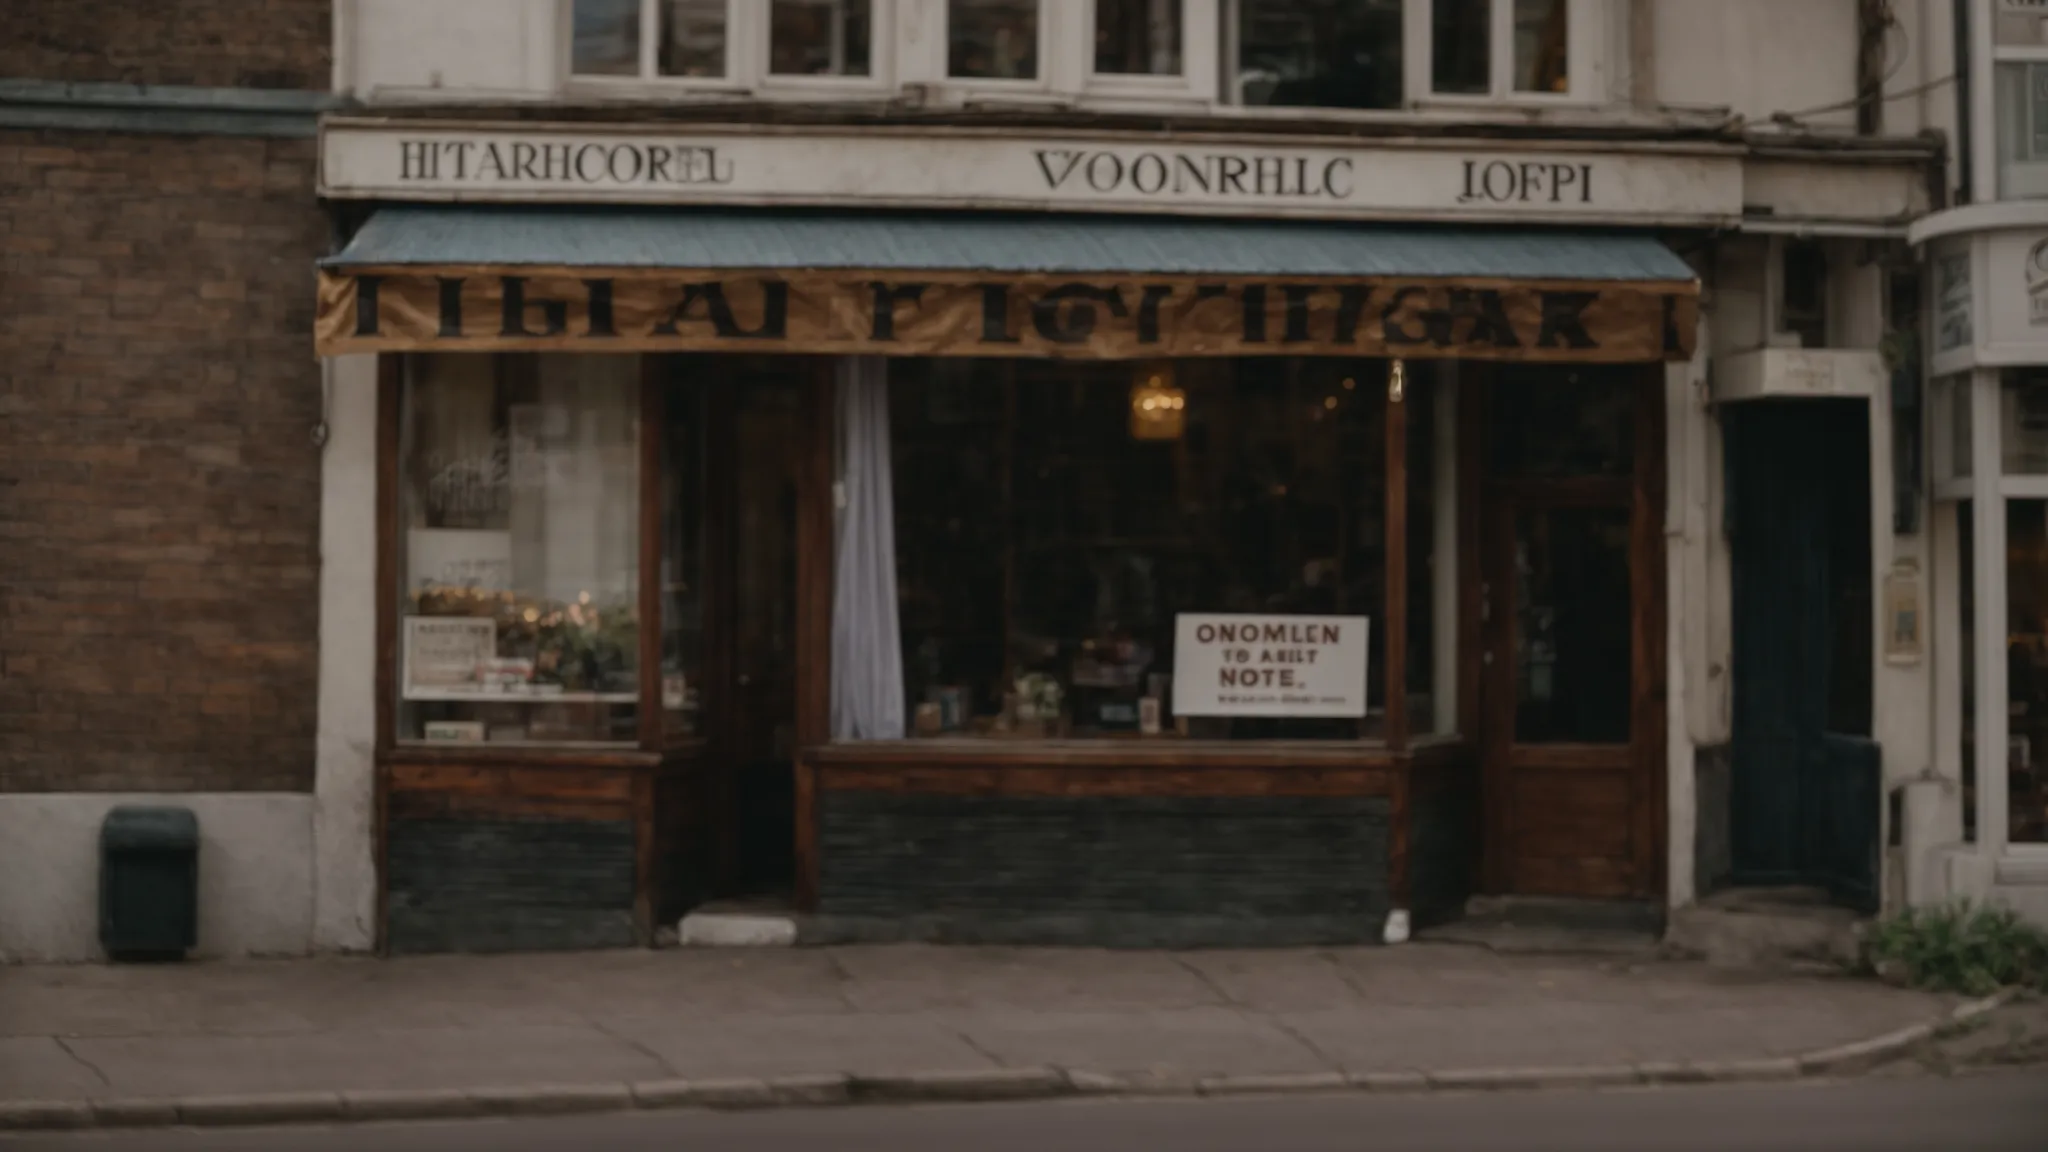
column 2021, row 95
column 1995, row 518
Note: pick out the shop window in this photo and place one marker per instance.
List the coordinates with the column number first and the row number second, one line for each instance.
column 1966, row 688
column 1051, row 529
column 820, row 37
column 1138, row 37
column 992, row 39
column 519, row 550
column 2026, row 583
column 2023, row 421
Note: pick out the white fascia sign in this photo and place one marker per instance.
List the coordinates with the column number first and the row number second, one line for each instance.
column 1478, row 180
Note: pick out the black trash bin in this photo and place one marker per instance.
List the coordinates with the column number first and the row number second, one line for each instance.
column 149, row 883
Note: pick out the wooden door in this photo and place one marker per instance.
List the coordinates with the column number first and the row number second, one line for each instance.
column 1572, row 622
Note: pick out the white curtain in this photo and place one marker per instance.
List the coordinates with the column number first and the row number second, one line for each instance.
column 867, row 645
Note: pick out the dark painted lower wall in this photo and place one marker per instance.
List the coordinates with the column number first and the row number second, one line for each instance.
column 1115, row 872
column 1443, row 848
column 508, row 885
column 1713, row 858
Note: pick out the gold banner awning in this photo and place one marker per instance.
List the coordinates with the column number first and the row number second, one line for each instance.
column 895, row 313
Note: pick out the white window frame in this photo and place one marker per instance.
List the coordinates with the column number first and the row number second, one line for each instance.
column 747, row 57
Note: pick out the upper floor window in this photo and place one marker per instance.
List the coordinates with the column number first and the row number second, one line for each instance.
column 1384, row 54
column 1327, row 54
column 1138, row 37
column 727, row 43
column 993, row 39
column 2022, row 100
column 820, row 38
column 1320, row 53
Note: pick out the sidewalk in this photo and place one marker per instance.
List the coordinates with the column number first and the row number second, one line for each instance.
column 89, row 1033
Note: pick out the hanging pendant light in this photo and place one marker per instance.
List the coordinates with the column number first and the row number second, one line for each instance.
column 1158, row 407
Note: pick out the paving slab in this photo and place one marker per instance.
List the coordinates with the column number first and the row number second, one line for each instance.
column 1193, row 1042
column 915, row 977
column 361, row 1059
column 39, row 1068
column 792, row 1045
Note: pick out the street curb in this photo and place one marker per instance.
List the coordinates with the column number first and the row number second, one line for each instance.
column 957, row 1087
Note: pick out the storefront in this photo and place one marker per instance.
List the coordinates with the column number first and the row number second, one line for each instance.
column 973, row 575
column 1989, row 434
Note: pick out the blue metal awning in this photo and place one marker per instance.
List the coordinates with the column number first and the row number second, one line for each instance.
column 416, row 236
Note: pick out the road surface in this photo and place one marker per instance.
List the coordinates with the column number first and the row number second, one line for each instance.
column 1991, row 1112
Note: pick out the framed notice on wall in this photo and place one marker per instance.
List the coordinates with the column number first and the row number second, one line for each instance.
column 443, row 653
column 1271, row 666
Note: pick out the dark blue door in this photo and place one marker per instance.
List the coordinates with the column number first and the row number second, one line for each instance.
column 1805, row 778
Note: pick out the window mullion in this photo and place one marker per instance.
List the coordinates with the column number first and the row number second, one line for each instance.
column 1502, row 49
column 746, row 41
column 650, row 31
column 1418, row 46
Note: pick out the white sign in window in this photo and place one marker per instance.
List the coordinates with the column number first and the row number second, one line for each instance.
column 1271, row 666
column 445, row 653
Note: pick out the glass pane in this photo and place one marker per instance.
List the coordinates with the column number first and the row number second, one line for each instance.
column 692, row 38
column 1948, row 403
column 1542, row 46
column 682, row 561
column 1138, row 37
column 1572, row 626
column 2026, row 591
column 1035, row 604
column 1966, row 596
column 819, row 38
column 2023, row 421
column 1549, row 421
column 1461, row 47
column 606, row 41
column 2021, row 95
column 1319, row 53
column 992, row 39
column 520, row 550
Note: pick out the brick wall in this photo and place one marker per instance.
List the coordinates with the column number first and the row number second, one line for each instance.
column 214, row 43
column 159, row 489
